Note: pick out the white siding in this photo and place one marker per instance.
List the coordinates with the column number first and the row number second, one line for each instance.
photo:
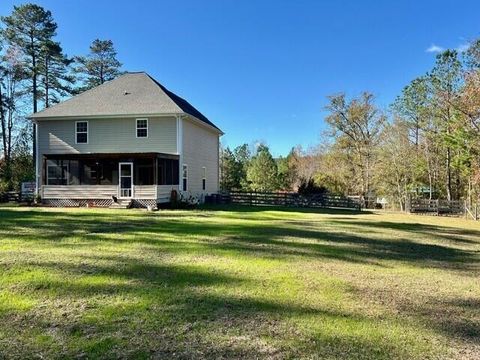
column 145, row 191
column 160, row 192
column 200, row 149
column 164, row 192
column 79, row 191
column 107, row 136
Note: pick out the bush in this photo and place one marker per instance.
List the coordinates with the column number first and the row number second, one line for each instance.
column 309, row 187
column 183, row 200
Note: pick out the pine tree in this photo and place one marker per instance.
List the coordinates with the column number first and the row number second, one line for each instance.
column 56, row 78
column 29, row 28
column 262, row 171
column 99, row 65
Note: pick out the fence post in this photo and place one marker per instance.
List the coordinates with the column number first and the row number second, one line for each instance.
column 437, row 202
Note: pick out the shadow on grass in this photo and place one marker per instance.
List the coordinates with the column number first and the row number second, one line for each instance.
column 467, row 236
column 286, row 209
column 136, row 308
column 168, row 313
column 273, row 239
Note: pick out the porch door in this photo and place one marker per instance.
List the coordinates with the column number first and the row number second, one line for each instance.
column 125, row 181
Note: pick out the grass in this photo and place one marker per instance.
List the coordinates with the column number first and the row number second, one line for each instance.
column 237, row 283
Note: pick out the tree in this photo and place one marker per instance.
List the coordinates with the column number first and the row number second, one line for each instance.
column 99, row 65
column 56, row 78
column 229, row 170
column 445, row 80
column 357, row 124
column 11, row 75
column 395, row 171
column 28, row 29
column 287, row 171
column 412, row 105
column 262, row 171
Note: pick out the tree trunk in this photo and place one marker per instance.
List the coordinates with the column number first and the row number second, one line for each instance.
column 449, row 175
column 47, row 103
column 34, row 90
column 3, row 123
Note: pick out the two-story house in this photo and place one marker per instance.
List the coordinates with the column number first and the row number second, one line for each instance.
column 129, row 138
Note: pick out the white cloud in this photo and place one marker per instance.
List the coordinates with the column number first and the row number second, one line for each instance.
column 435, row 49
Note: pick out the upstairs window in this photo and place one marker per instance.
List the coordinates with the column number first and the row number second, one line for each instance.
column 204, row 178
column 81, row 132
column 142, row 128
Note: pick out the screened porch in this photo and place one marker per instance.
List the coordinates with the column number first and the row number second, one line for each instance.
column 101, row 176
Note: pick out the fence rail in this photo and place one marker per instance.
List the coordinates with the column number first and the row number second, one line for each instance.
column 289, row 199
column 10, row 196
column 437, row 207
column 472, row 211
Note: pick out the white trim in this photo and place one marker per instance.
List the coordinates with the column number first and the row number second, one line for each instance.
column 82, row 132
column 38, row 176
column 100, row 116
column 179, row 146
column 136, row 128
column 204, row 178
column 120, row 179
column 185, row 177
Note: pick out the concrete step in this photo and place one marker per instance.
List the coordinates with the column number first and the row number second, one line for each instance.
column 122, row 204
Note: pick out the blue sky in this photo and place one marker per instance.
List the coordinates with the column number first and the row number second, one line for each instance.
column 262, row 69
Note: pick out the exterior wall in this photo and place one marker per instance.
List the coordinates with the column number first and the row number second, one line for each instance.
column 200, row 149
column 114, row 135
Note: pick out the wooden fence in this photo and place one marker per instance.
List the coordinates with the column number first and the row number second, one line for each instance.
column 472, row 211
column 289, row 199
column 436, row 207
column 10, row 196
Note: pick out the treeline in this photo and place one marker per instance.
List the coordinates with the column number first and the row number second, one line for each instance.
column 253, row 168
column 35, row 73
column 427, row 144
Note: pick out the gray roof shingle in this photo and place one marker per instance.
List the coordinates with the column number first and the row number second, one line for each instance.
column 134, row 93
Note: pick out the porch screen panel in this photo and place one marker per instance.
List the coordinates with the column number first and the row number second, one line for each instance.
column 167, row 172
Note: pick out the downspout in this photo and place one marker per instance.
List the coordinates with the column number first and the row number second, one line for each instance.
column 180, row 149
column 37, row 173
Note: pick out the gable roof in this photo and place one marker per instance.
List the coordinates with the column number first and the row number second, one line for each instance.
column 133, row 93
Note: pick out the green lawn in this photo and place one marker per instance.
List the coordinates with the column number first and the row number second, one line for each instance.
column 237, row 283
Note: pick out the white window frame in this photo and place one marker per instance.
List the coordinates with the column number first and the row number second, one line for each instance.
column 204, row 178
column 67, row 172
column 82, row 132
column 185, row 177
column 136, row 128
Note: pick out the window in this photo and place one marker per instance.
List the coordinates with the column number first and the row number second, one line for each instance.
column 57, row 172
column 142, row 128
column 81, row 132
column 204, row 178
column 185, row 177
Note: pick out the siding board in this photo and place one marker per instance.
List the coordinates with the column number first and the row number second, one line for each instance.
column 200, row 149
column 108, row 136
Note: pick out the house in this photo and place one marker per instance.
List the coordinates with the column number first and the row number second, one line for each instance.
column 129, row 139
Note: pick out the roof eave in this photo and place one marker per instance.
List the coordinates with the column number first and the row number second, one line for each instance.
column 104, row 116
column 203, row 123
